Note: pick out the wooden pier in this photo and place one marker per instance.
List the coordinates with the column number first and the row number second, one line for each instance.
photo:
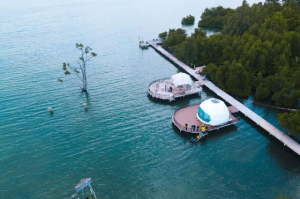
column 272, row 130
column 187, row 115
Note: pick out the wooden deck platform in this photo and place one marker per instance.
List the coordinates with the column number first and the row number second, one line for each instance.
column 282, row 137
column 160, row 89
column 232, row 109
column 187, row 115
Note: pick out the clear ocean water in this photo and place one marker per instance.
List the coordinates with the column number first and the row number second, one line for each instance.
column 124, row 141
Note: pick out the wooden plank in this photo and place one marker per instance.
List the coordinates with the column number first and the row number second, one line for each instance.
column 233, row 109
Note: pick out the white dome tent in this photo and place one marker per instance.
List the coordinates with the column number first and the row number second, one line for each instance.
column 181, row 79
column 213, row 112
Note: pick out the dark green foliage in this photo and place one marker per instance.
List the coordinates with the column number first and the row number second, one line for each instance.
column 67, row 72
column 258, row 50
column 243, row 18
column 276, row 2
column 261, row 54
column 290, row 121
column 188, row 20
column 215, row 17
column 262, row 92
column 187, row 51
column 163, row 35
column 238, row 80
column 202, row 33
column 245, row 3
column 275, row 23
column 175, row 37
column 231, row 77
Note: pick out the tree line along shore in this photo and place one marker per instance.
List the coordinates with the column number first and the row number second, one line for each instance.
column 257, row 52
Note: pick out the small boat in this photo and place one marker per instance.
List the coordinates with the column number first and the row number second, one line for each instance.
column 144, row 45
column 84, row 190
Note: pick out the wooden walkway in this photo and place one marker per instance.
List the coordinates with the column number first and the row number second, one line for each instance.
column 286, row 140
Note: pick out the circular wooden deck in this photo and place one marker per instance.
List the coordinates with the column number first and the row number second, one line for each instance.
column 188, row 115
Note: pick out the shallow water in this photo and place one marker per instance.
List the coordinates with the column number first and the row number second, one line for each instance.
column 124, row 141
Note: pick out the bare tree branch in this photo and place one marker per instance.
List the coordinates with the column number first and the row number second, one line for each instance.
column 86, row 55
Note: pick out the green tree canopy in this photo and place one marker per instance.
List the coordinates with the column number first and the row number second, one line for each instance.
column 258, row 50
column 215, row 17
column 290, row 121
column 163, row 35
column 276, row 23
column 188, row 20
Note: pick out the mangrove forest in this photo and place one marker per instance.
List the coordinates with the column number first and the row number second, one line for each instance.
column 257, row 52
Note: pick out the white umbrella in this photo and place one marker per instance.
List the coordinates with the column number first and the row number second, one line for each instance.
column 181, row 79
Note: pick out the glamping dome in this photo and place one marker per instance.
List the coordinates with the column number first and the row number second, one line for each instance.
column 182, row 79
column 213, row 112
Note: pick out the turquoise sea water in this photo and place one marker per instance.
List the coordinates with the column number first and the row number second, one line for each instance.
column 125, row 141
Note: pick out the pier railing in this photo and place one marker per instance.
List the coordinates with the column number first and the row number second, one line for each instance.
column 167, row 97
column 189, row 105
column 230, row 122
column 160, row 80
column 181, row 127
column 160, row 96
